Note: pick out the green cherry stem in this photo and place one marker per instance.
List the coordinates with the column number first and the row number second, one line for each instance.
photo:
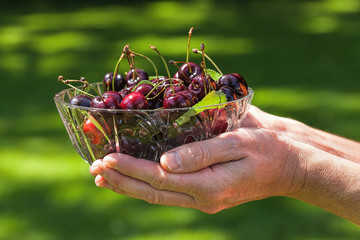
column 152, row 63
column 188, row 46
column 68, row 83
column 117, row 69
column 196, row 51
column 167, row 69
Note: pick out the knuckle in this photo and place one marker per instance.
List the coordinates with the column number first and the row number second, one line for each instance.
column 201, row 153
column 157, row 181
column 153, row 198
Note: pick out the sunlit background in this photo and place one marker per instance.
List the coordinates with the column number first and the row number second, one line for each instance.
column 301, row 58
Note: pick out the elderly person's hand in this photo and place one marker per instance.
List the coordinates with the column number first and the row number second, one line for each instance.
column 247, row 164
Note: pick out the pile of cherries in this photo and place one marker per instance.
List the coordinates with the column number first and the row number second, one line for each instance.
column 136, row 90
column 185, row 88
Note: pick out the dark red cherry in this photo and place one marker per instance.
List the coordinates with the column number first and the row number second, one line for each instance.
column 125, row 91
column 105, row 103
column 229, row 92
column 176, row 88
column 197, row 85
column 145, row 88
column 113, row 94
column 154, row 97
column 178, row 100
column 119, row 82
column 187, row 72
column 219, row 122
column 236, row 82
column 190, row 95
column 134, row 76
column 81, row 100
column 134, row 100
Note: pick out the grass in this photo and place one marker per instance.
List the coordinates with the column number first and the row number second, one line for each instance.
column 300, row 57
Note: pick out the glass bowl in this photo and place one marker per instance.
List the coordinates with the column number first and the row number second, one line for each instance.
column 146, row 133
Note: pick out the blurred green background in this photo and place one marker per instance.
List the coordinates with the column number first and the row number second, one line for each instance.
column 301, row 58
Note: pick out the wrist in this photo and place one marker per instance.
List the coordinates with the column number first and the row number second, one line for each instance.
column 333, row 184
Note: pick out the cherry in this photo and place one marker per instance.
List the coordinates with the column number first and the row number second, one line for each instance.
column 81, row 100
column 105, row 103
column 153, row 95
column 125, row 91
column 235, row 81
column 134, row 100
column 190, row 95
column 119, row 82
column 145, row 89
column 197, row 85
column 179, row 100
column 187, row 72
column 229, row 92
column 219, row 123
column 134, row 76
column 174, row 89
column 113, row 94
column 92, row 132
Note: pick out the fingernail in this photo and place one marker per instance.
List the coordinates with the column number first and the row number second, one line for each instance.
column 109, row 161
column 172, row 160
column 98, row 170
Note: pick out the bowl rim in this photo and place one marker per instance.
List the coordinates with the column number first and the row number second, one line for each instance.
column 57, row 99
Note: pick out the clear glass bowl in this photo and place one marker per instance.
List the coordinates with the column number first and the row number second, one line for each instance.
column 144, row 134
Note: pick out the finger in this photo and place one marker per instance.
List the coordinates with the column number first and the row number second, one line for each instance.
column 96, row 168
column 100, row 181
column 153, row 174
column 198, row 155
column 251, row 119
column 136, row 188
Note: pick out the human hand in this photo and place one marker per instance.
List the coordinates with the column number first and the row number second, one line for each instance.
column 211, row 175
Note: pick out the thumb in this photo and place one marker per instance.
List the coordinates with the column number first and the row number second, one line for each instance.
column 198, row 155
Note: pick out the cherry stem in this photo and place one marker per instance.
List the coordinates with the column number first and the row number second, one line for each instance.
column 172, row 62
column 188, row 46
column 68, row 81
column 196, row 51
column 152, row 63
column 167, row 69
column 117, row 68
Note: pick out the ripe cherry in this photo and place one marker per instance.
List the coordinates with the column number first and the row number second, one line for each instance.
column 105, row 103
column 92, row 132
column 134, row 76
column 119, row 82
column 81, row 100
column 125, row 91
column 187, row 72
column 149, row 91
column 113, row 94
column 134, row 100
column 236, row 82
column 197, row 85
column 179, row 100
column 229, row 92
column 145, row 89
column 174, row 89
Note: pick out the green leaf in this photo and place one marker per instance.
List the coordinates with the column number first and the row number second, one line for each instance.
column 154, row 77
column 208, row 102
column 213, row 74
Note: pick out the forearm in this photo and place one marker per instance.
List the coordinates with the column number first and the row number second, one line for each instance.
column 336, row 145
column 333, row 184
